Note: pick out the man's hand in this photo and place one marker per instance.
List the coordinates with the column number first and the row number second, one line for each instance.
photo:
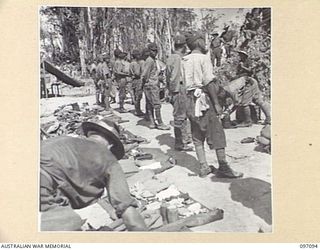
column 212, row 89
column 62, row 201
column 133, row 220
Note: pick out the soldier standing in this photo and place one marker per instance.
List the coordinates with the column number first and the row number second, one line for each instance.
column 150, row 81
column 216, row 50
column 121, row 78
column 95, row 75
column 105, row 82
column 144, row 55
column 126, row 66
column 135, row 72
column 177, row 92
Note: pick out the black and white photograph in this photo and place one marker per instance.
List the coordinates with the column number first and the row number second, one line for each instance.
column 155, row 119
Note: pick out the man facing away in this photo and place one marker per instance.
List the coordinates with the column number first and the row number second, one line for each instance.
column 203, row 107
column 177, row 91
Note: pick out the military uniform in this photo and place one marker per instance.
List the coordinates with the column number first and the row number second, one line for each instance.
column 105, row 83
column 95, row 77
column 150, row 79
column 177, row 91
column 121, row 78
column 151, row 87
column 244, row 91
column 216, row 51
column 75, row 172
column 135, row 72
column 129, row 88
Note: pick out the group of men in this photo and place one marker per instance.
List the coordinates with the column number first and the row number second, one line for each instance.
column 140, row 75
column 198, row 95
column 74, row 172
column 229, row 39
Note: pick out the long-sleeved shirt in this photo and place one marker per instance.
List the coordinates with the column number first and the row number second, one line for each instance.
column 150, row 73
column 197, row 70
column 79, row 169
column 174, row 72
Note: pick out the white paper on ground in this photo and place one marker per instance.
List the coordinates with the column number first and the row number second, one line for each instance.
column 155, row 165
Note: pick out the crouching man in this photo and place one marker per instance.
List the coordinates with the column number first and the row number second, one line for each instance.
column 244, row 91
column 74, row 172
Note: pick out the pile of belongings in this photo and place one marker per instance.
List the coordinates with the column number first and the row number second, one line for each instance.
column 162, row 205
column 161, row 201
column 70, row 117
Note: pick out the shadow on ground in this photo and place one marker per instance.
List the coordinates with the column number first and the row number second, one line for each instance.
column 183, row 159
column 143, row 122
column 255, row 194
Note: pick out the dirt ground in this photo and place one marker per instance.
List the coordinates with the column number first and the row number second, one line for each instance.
column 246, row 202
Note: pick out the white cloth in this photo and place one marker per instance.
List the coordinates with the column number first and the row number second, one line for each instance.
column 201, row 103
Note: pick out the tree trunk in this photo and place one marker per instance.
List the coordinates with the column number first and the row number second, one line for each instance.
column 170, row 46
column 64, row 38
column 82, row 43
column 91, row 42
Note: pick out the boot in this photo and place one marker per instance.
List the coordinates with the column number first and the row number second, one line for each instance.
column 147, row 107
column 152, row 124
column 97, row 99
column 161, row 125
column 201, row 155
column 121, row 109
column 267, row 112
column 247, row 118
column 225, row 171
column 138, row 111
column 178, row 138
